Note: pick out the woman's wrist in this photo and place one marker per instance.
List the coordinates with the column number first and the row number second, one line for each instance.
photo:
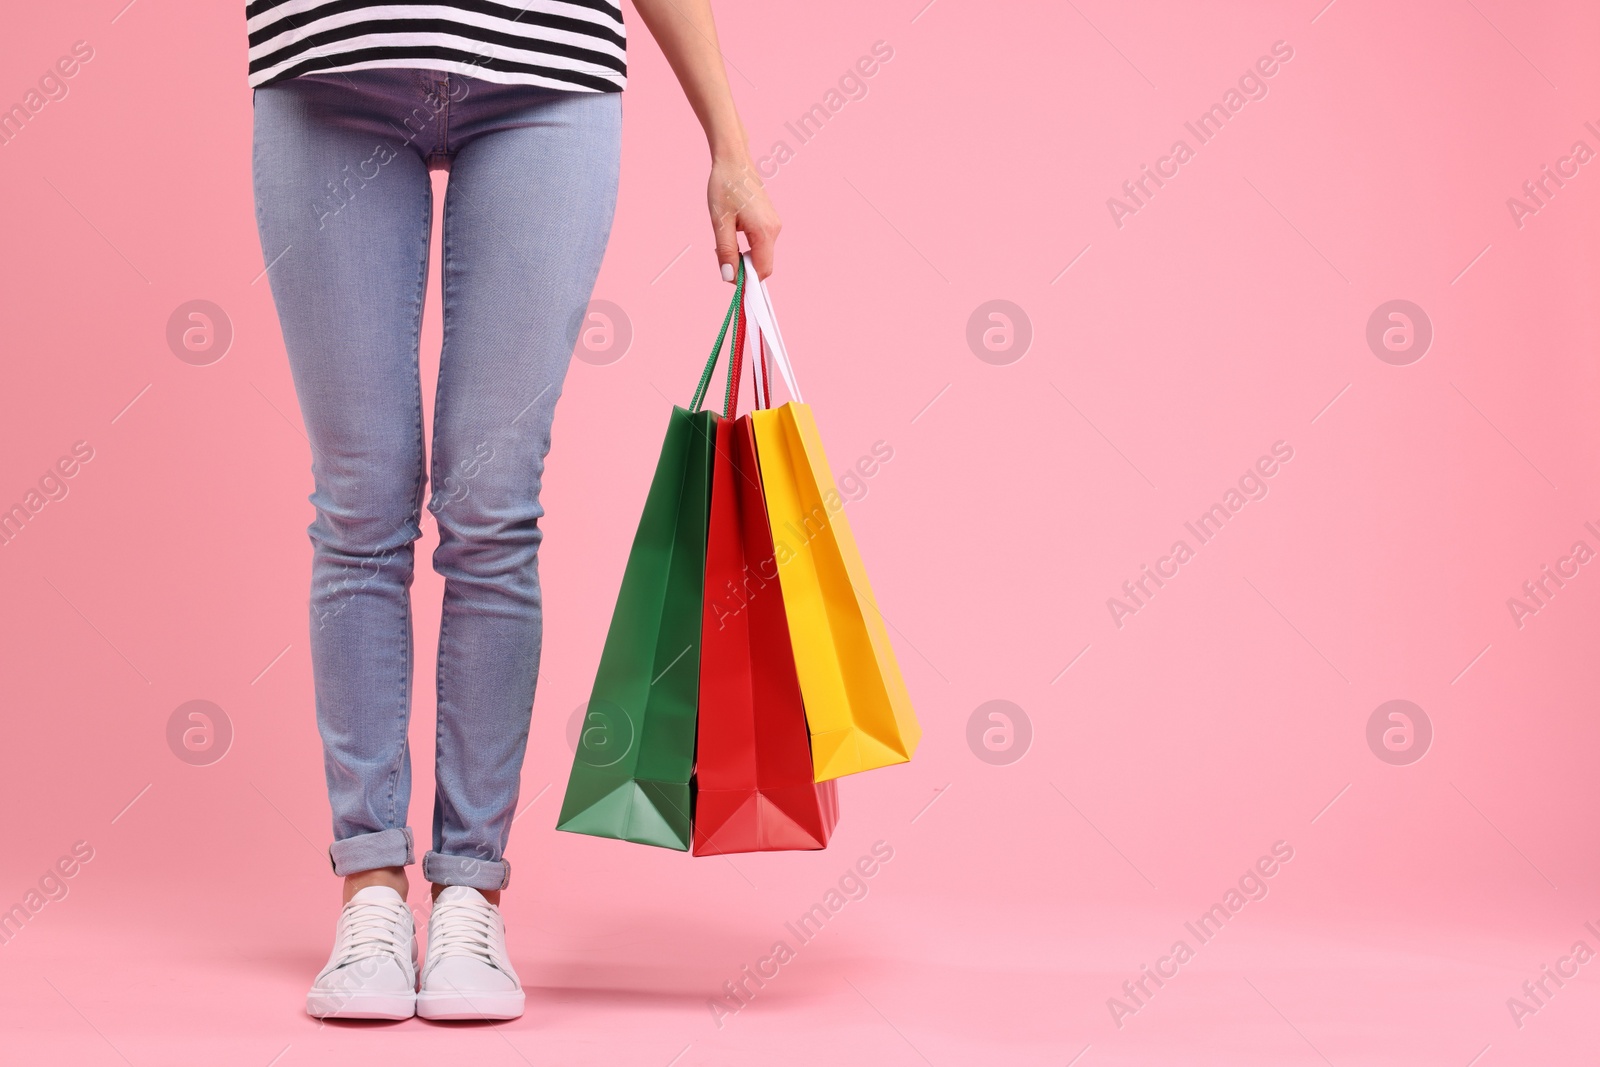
column 727, row 141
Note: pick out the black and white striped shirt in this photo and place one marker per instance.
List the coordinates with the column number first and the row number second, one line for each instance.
column 559, row 44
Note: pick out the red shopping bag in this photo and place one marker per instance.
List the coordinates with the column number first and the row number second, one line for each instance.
column 755, row 788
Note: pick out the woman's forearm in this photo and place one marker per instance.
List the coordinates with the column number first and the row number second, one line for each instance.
column 687, row 35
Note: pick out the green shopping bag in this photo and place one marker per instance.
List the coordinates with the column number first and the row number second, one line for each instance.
column 630, row 776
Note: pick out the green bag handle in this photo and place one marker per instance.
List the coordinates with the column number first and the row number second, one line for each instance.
column 716, row 350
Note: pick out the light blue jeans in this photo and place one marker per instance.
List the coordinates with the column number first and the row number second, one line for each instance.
column 344, row 207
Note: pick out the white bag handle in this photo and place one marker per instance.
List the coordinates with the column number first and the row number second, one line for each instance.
column 762, row 322
column 758, row 378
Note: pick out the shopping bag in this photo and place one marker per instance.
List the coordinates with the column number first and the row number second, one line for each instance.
column 857, row 708
column 755, row 789
column 635, row 758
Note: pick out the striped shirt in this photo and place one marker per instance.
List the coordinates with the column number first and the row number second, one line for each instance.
column 558, row 44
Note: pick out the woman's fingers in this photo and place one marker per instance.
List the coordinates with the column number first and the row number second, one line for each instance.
column 763, row 237
column 725, row 225
column 739, row 202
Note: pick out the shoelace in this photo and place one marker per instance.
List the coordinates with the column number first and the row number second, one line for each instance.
column 463, row 928
column 371, row 929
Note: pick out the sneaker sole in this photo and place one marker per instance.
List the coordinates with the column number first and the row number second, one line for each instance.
column 444, row 1007
column 359, row 1005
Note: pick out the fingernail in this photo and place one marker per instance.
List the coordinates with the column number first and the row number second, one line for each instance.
column 727, row 272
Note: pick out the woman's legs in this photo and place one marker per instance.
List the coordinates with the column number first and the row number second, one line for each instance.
column 527, row 214
column 344, row 208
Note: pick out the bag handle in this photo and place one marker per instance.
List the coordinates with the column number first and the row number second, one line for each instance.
column 760, row 373
column 730, row 392
column 734, row 357
column 758, row 306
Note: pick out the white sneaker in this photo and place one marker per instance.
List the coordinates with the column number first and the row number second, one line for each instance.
column 372, row 973
column 467, row 974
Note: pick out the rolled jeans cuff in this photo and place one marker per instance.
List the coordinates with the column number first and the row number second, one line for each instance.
column 465, row 870
column 368, row 852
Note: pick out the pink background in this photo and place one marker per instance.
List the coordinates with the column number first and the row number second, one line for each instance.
column 1229, row 313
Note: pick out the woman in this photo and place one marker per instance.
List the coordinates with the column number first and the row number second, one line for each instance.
column 355, row 102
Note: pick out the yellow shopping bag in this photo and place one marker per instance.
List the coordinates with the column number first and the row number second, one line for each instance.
column 857, row 708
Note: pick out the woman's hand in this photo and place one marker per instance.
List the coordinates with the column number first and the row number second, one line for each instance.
column 739, row 203
column 688, row 37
